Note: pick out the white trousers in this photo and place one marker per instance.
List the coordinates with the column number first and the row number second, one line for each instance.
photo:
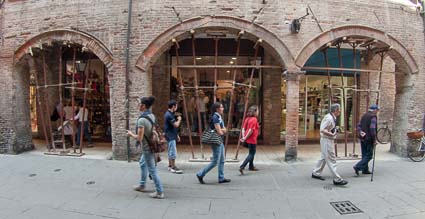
column 327, row 157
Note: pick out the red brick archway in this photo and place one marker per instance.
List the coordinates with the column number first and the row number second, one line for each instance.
column 181, row 31
column 73, row 36
column 398, row 53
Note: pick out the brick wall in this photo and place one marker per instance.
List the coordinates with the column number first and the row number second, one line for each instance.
column 106, row 20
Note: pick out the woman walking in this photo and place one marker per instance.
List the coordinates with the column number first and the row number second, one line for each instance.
column 249, row 136
column 147, row 160
column 216, row 124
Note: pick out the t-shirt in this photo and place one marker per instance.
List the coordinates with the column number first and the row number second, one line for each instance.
column 216, row 119
column 170, row 130
column 147, row 128
column 251, row 123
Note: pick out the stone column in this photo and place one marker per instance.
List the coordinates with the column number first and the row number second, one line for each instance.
column 292, row 105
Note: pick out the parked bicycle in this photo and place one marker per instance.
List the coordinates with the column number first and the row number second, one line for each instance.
column 416, row 150
column 383, row 135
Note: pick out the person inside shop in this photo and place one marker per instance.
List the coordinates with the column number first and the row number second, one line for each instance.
column 203, row 101
column 249, row 136
column 367, row 128
column 147, row 159
column 171, row 125
column 83, row 111
column 216, row 125
column 328, row 135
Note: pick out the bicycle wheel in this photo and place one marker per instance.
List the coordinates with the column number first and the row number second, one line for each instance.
column 417, row 151
column 383, row 136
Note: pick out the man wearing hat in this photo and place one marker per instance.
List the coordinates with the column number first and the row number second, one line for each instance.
column 367, row 133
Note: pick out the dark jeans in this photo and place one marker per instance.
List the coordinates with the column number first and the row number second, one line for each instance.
column 367, row 153
column 250, row 158
column 86, row 133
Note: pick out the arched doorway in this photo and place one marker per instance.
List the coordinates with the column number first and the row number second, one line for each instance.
column 212, row 42
column 358, row 66
column 56, row 72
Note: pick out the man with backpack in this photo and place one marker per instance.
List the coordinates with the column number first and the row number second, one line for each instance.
column 171, row 124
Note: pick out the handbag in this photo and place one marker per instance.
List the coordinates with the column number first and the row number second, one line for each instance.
column 211, row 137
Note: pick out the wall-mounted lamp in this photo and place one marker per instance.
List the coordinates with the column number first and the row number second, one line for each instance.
column 296, row 23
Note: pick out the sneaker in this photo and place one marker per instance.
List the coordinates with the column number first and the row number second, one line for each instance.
column 342, row 182
column 176, row 170
column 200, row 179
column 139, row 188
column 356, row 171
column 157, row 195
column 366, row 172
column 317, row 177
column 224, row 180
column 241, row 171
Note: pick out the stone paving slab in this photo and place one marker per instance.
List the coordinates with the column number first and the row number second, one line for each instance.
column 279, row 190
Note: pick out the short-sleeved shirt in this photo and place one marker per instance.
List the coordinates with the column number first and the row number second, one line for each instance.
column 251, row 123
column 169, row 129
column 147, row 128
column 328, row 123
column 216, row 119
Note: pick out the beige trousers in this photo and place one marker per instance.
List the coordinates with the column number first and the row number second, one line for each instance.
column 327, row 158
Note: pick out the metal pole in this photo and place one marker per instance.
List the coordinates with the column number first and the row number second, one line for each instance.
column 73, row 99
column 60, row 97
column 215, row 69
column 232, row 93
column 197, row 100
column 184, row 98
column 373, row 162
column 354, row 101
column 127, row 71
column 86, row 76
column 247, row 93
column 380, row 77
column 39, row 105
column 46, row 102
column 325, row 54
column 343, row 98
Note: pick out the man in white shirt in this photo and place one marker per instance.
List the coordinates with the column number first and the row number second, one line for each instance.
column 328, row 134
column 84, row 120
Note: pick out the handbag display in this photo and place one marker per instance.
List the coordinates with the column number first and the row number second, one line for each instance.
column 211, row 137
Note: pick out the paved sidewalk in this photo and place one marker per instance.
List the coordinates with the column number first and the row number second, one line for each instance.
column 38, row 186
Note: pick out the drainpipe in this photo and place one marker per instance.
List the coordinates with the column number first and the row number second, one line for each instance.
column 127, row 71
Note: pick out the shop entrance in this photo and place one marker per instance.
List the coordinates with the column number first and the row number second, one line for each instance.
column 214, row 65
column 64, row 79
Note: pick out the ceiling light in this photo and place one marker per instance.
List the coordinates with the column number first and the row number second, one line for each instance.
column 231, row 62
column 198, row 58
column 234, row 58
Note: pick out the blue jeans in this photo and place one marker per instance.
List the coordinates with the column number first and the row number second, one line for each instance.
column 86, row 133
column 250, row 158
column 218, row 158
column 367, row 153
column 147, row 163
column 172, row 150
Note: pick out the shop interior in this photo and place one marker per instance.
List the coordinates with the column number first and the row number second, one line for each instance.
column 87, row 75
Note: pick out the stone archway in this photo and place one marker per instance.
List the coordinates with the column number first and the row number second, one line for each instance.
column 405, row 112
column 72, row 36
column 24, row 66
column 182, row 31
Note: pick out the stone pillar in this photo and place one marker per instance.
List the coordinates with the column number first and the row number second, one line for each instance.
column 292, row 105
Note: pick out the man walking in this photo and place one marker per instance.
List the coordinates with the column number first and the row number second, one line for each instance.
column 327, row 136
column 170, row 128
column 367, row 134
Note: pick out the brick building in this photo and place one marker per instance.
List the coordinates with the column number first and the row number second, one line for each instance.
column 38, row 40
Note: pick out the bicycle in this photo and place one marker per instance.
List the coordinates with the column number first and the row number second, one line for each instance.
column 416, row 150
column 383, row 135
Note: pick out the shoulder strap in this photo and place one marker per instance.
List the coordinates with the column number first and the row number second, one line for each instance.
column 152, row 123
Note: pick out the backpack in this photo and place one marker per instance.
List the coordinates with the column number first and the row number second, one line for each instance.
column 156, row 141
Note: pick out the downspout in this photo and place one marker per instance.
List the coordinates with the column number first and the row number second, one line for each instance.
column 127, row 71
